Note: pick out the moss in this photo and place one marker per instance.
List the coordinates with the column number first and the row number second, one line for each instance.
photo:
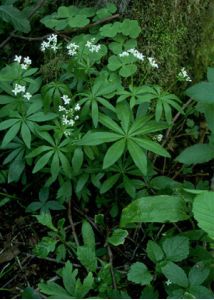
column 176, row 34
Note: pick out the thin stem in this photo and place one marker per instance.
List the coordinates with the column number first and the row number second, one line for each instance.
column 72, row 224
column 111, row 266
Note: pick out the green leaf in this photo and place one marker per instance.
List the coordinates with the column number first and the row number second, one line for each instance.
column 203, row 211
column 8, row 123
column 109, row 183
column 202, row 92
column 153, row 209
column 45, row 246
column 42, row 161
column 77, row 160
column 94, row 113
column 176, row 248
column 114, row 153
column 210, row 74
column 26, row 135
column 110, row 124
column 42, row 117
column 175, row 274
column 154, row 251
column 87, row 285
column 124, row 115
column 151, row 146
column 139, row 274
column 198, row 274
column 67, row 273
column 118, row 237
column 149, row 293
column 54, row 290
column 46, row 220
column 87, row 258
column 10, row 14
column 138, row 156
column 97, row 138
column 55, row 168
column 196, row 154
column 30, row 293
column 201, row 292
column 88, row 235
column 11, row 133
column 128, row 70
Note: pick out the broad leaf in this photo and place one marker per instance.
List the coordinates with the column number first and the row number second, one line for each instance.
column 203, row 211
column 160, row 209
column 196, row 154
column 175, row 274
column 139, row 274
column 176, row 248
column 118, row 237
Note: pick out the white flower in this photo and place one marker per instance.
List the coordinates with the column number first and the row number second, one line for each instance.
column 18, row 58
column 91, row 47
column 66, row 99
column 152, row 62
column 159, row 137
column 51, row 43
column 54, row 47
column 183, row 75
column 123, row 54
column 44, row 46
column 18, row 89
column 52, row 38
column 76, row 118
column 77, row 107
column 168, row 282
column 24, row 66
column 27, row 60
column 27, row 96
column 66, row 121
column 62, row 108
column 137, row 54
column 72, row 49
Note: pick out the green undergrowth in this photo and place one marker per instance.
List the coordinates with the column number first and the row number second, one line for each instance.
column 107, row 145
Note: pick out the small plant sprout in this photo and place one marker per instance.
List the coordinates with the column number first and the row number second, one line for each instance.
column 51, row 43
column 183, row 75
column 72, row 49
column 92, row 47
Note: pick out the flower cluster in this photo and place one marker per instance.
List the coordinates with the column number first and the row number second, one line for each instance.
column 21, row 89
column 158, row 138
column 153, row 62
column 183, row 75
column 25, row 62
column 134, row 52
column 69, row 115
column 72, row 49
column 51, row 43
column 92, row 47
column 137, row 54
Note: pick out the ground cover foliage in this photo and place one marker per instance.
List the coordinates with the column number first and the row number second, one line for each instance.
column 107, row 149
